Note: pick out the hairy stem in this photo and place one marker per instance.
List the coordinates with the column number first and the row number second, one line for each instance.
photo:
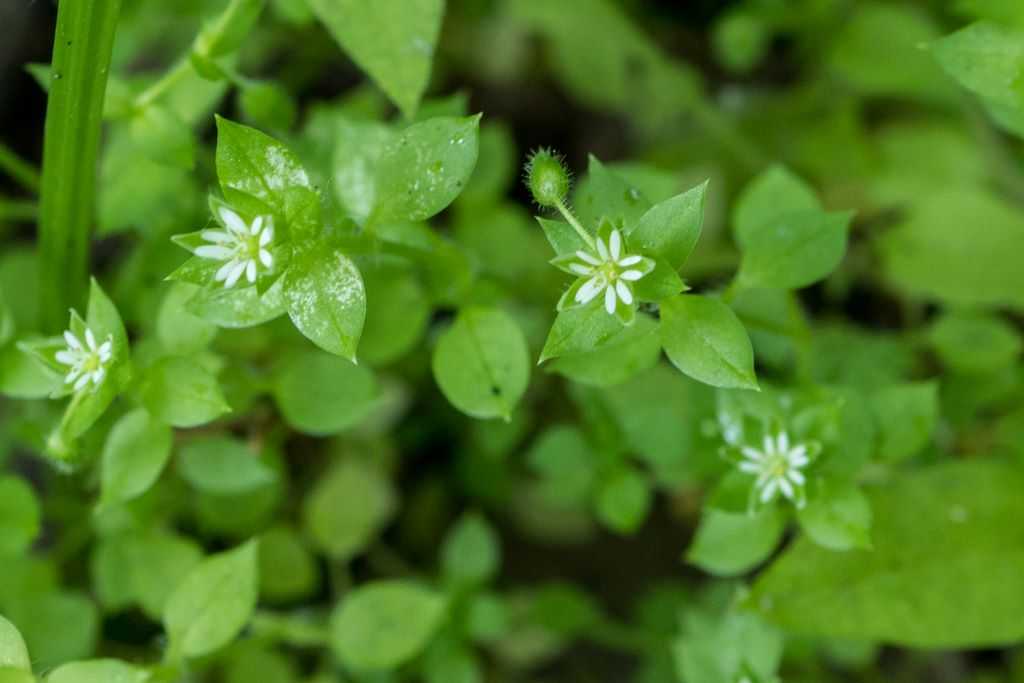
column 571, row 220
column 81, row 60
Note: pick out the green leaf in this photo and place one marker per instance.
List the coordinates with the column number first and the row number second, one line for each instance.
column 383, row 624
column 398, row 316
column 794, row 250
column 326, row 300
column 604, row 194
column 13, row 653
column 321, row 394
column 633, row 350
column 728, row 649
column 837, row 516
column 348, row 509
column 25, row 376
column 237, row 307
column 288, row 570
column 13, row 675
column 930, row 254
column 20, row 516
column 58, row 626
column 906, row 415
column 623, row 501
column 182, row 393
column 163, row 137
column 255, row 164
column 481, row 363
column 975, row 342
column 223, row 465
column 943, row 572
column 392, row 40
column 471, row 553
column 670, row 229
column 179, row 330
column 770, row 196
column 986, row 58
column 134, row 454
column 564, row 460
column 214, row 602
column 580, row 330
column 141, row 568
column 731, row 544
column 562, row 237
column 705, row 340
column 425, row 168
column 98, row 671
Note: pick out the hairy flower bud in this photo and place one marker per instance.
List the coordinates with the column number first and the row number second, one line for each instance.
column 547, row 178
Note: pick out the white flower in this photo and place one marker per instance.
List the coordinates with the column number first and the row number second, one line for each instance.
column 777, row 468
column 242, row 247
column 87, row 362
column 609, row 270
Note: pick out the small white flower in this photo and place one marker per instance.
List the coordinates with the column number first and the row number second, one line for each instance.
column 777, row 468
column 610, row 270
column 243, row 248
column 87, row 362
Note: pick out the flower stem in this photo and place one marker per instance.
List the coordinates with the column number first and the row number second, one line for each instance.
column 571, row 220
column 74, row 113
column 19, row 169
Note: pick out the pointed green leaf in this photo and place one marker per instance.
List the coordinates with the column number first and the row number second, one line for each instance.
column 481, row 363
column 326, row 300
column 670, row 229
column 422, row 170
column 384, row 624
column 214, row 602
column 794, row 250
column 705, row 339
column 392, row 40
column 134, row 454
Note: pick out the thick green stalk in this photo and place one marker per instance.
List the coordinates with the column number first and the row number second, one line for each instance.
column 81, row 60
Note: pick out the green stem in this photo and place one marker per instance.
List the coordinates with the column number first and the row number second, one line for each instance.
column 19, row 169
column 165, row 83
column 81, row 60
column 571, row 220
column 18, row 210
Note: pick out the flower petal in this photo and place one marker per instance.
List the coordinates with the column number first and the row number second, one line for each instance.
column 214, row 251
column 609, row 299
column 590, row 289
column 785, row 487
column 98, row 375
column 82, row 381
column 234, row 274
column 257, row 225
column 752, row 453
column 250, row 271
column 232, row 221
column 631, row 275
column 580, row 269
column 615, row 245
column 768, row 492
column 267, row 236
column 224, row 271
column 72, row 340
column 624, row 293
column 602, row 249
column 90, row 339
column 217, row 236
column 796, row 477
column 587, row 258
column 266, row 259
column 749, row 467
column 783, row 442
column 631, row 260
column 65, row 357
